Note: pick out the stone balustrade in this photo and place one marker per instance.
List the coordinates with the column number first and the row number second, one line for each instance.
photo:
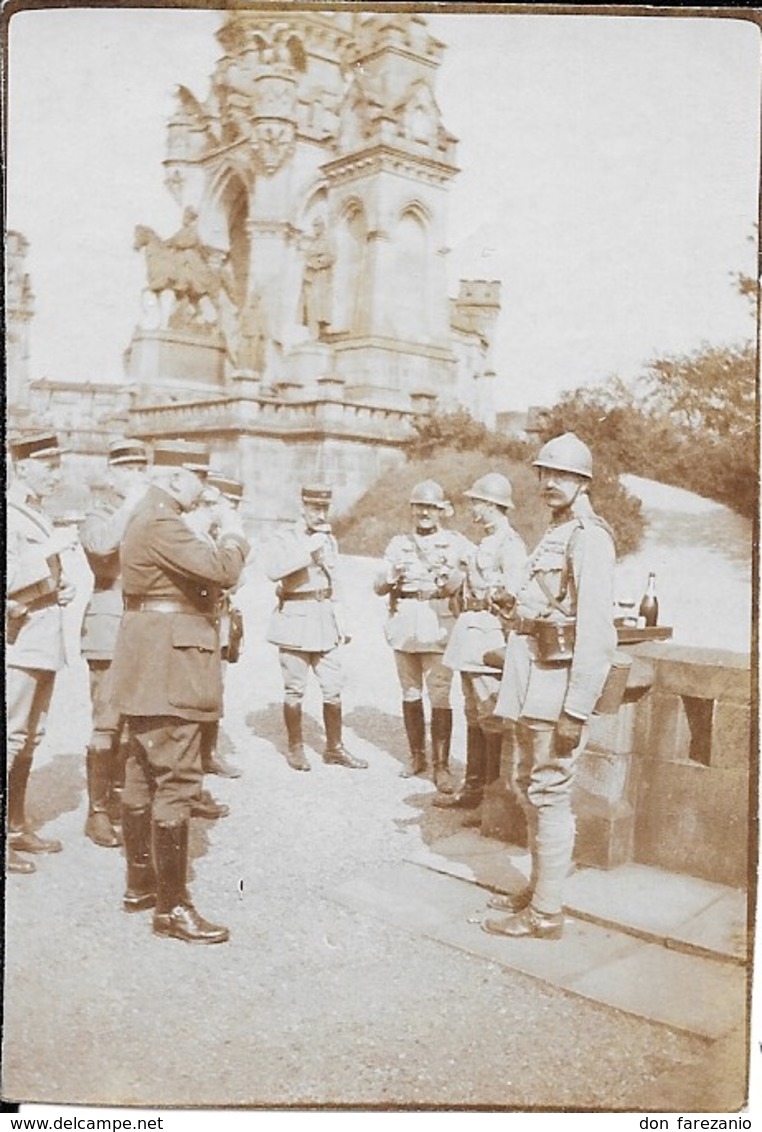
column 665, row 780
column 269, row 415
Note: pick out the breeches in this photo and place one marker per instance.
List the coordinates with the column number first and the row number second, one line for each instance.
column 28, row 694
column 416, row 669
column 544, row 780
column 163, row 766
column 295, row 668
column 480, row 691
column 106, row 722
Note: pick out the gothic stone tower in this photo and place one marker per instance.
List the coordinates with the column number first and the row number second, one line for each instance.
column 19, row 310
column 314, row 185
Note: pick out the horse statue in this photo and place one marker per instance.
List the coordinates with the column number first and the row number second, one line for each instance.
column 182, row 266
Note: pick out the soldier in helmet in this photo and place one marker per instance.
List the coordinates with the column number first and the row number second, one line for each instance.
column 308, row 624
column 101, row 534
column 556, row 663
column 423, row 571
column 493, row 576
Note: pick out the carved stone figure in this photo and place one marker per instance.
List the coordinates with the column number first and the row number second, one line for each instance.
column 315, row 304
column 252, row 349
column 183, row 265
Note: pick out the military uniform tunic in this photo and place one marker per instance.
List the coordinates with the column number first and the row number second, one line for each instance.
column 571, row 568
column 35, row 646
column 100, row 536
column 574, row 561
column 167, row 672
column 493, row 574
column 307, row 624
column 430, row 568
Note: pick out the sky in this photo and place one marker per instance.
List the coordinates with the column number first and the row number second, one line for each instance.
column 609, row 179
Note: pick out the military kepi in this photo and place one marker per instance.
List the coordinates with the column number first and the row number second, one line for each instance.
column 181, row 454
column 127, row 452
column 44, row 446
column 316, row 493
column 230, row 488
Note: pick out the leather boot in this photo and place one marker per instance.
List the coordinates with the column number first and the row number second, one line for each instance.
column 334, row 750
column 415, row 729
column 205, row 806
column 118, row 767
column 141, row 875
column 292, row 717
column 21, row 839
column 98, row 826
column 211, row 761
column 470, row 794
column 175, row 915
column 493, row 745
column 19, row 864
column 441, row 735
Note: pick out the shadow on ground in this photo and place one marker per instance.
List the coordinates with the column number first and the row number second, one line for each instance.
column 56, row 788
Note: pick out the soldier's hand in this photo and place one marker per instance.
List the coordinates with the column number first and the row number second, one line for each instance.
column 568, row 734
column 230, row 521
column 317, row 546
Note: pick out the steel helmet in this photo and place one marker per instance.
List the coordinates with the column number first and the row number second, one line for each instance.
column 566, row 453
column 428, row 492
column 492, row 488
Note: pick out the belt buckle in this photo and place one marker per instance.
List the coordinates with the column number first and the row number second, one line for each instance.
column 320, row 595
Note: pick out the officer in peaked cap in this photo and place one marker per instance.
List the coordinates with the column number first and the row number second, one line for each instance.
column 101, row 535
column 307, row 625
column 557, row 659
column 36, row 591
column 423, row 570
column 167, row 680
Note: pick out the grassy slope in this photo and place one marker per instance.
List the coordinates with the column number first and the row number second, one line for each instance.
column 384, row 509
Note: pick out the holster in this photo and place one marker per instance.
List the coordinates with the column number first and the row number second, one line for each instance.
column 555, row 639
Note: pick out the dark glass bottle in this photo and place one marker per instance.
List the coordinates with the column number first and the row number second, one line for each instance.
column 649, row 606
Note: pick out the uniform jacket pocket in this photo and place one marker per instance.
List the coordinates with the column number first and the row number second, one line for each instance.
column 195, row 674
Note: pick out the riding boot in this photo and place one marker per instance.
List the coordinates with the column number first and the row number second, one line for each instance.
column 296, row 758
column 441, row 735
column 98, row 825
column 415, row 729
column 334, row 750
column 493, row 743
column 119, row 755
column 21, row 839
column 470, row 794
column 141, row 875
column 212, row 761
column 175, row 915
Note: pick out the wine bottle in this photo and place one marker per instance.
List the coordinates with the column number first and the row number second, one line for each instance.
column 649, row 606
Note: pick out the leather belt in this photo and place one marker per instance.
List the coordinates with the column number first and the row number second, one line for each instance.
column 306, row 595
column 525, row 626
column 134, row 603
column 418, row 595
column 42, row 602
column 105, row 587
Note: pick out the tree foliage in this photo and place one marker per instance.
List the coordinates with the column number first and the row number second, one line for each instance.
column 690, row 422
column 454, row 449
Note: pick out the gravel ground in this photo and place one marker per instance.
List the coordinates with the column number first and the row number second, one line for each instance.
column 309, row 1004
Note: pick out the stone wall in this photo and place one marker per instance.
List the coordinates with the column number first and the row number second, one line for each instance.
column 666, row 780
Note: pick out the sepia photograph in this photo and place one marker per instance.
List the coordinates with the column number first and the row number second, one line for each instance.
column 382, row 495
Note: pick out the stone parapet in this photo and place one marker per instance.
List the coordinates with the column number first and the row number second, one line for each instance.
column 665, row 780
